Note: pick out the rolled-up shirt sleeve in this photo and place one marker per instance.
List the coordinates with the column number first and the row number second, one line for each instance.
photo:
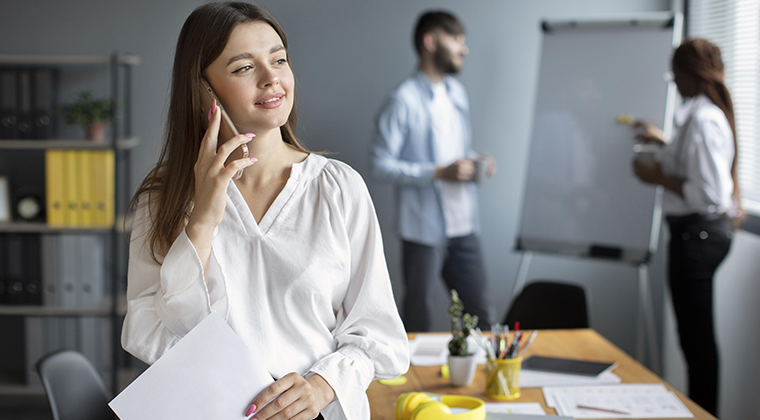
column 370, row 337
column 165, row 299
column 391, row 129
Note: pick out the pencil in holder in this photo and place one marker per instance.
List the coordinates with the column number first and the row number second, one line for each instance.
column 503, row 379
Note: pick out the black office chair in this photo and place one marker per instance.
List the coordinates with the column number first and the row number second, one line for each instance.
column 549, row 305
column 73, row 387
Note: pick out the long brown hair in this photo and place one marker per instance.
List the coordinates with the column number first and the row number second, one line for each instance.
column 702, row 59
column 170, row 186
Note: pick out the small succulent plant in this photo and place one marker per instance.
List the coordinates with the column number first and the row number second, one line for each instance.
column 461, row 326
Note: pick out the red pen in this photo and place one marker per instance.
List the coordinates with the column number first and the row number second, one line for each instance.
column 515, row 341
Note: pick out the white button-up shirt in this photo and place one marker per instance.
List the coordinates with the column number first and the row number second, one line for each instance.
column 307, row 288
column 448, row 135
column 701, row 153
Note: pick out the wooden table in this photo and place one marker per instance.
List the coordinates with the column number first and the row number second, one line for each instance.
column 574, row 344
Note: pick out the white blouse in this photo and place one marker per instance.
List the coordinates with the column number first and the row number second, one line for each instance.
column 307, row 288
column 701, row 153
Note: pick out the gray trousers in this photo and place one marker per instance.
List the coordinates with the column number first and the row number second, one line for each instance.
column 460, row 263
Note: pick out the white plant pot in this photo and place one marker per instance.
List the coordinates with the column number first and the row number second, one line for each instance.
column 462, row 369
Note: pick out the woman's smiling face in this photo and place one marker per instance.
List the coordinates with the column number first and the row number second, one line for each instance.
column 253, row 79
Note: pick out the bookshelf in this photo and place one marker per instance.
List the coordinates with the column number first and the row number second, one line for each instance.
column 23, row 157
column 121, row 144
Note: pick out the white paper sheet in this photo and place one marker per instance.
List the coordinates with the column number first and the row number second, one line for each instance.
column 536, row 379
column 640, row 401
column 433, row 349
column 532, row 408
column 516, row 408
column 210, row 374
column 502, row 416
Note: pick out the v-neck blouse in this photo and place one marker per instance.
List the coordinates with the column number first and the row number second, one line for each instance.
column 307, row 289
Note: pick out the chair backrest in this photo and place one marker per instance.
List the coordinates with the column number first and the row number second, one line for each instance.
column 549, row 305
column 73, row 387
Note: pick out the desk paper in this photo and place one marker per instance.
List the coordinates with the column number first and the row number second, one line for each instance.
column 502, row 416
column 537, row 379
column 210, row 374
column 433, row 349
column 533, row 408
column 642, row 401
column 494, row 409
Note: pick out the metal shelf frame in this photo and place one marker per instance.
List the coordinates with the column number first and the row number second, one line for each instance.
column 122, row 142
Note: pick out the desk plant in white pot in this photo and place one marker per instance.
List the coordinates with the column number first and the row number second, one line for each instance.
column 462, row 362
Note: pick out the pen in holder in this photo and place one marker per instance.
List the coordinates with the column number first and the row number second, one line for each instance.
column 503, row 380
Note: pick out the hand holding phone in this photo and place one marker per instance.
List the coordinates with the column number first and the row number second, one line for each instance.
column 227, row 130
column 212, row 172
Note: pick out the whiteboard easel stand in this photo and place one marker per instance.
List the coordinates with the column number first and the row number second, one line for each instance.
column 522, row 273
column 640, row 258
column 646, row 312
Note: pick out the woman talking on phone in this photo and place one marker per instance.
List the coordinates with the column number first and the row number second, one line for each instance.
column 698, row 170
column 290, row 253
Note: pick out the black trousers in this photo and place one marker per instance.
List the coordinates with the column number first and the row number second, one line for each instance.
column 698, row 244
column 460, row 263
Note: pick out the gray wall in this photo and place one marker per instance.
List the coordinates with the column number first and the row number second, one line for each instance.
column 347, row 55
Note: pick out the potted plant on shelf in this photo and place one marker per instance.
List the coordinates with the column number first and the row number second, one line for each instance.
column 462, row 362
column 90, row 113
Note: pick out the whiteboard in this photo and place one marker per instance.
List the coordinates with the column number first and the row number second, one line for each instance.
column 581, row 197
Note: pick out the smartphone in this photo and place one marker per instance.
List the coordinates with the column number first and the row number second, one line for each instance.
column 227, row 130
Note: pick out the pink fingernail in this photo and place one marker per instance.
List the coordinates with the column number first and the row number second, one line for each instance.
column 213, row 107
column 250, row 410
column 254, row 160
column 250, row 135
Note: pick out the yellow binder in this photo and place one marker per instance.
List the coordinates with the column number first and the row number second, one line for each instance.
column 103, row 166
column 86, row 186
column 71, row 194
column 54, row 188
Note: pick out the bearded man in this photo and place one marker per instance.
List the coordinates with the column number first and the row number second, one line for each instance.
column 422, row 144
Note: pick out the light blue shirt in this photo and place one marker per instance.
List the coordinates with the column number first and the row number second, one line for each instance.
column 403, row 152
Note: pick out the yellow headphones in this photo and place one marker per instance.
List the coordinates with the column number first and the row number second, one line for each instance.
column 424, row 406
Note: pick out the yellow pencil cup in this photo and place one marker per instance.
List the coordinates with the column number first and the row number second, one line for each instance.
column 503, row 380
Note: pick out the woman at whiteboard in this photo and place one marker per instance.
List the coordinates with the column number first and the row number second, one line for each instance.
column 289, row 253
column 698, row 170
